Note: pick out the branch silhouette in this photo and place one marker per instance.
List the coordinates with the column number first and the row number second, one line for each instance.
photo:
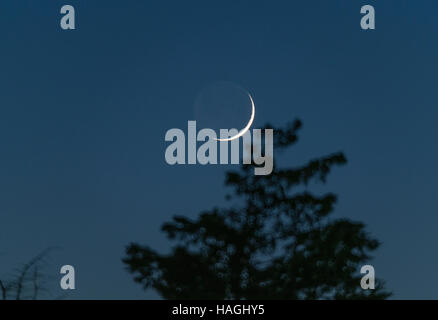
column 28, row 282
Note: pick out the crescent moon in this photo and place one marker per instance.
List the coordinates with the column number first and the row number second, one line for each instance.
column 244, row 130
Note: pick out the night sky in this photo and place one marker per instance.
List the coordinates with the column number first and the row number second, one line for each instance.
column 83, row 114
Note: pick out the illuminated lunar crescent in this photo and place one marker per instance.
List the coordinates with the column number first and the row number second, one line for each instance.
column 244, row 130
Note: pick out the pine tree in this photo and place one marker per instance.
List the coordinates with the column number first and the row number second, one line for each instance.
column 279, row 243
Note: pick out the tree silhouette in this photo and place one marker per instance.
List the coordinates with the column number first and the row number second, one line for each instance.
column 277, row 243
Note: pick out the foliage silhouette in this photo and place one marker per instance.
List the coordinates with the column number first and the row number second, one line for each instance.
column 278, row 244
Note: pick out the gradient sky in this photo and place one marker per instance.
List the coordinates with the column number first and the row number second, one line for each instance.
column 83, row 116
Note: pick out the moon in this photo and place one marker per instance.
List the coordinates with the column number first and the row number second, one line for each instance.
column 244, row 130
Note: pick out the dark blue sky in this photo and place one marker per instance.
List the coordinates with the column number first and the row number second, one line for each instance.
column 83, row 116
